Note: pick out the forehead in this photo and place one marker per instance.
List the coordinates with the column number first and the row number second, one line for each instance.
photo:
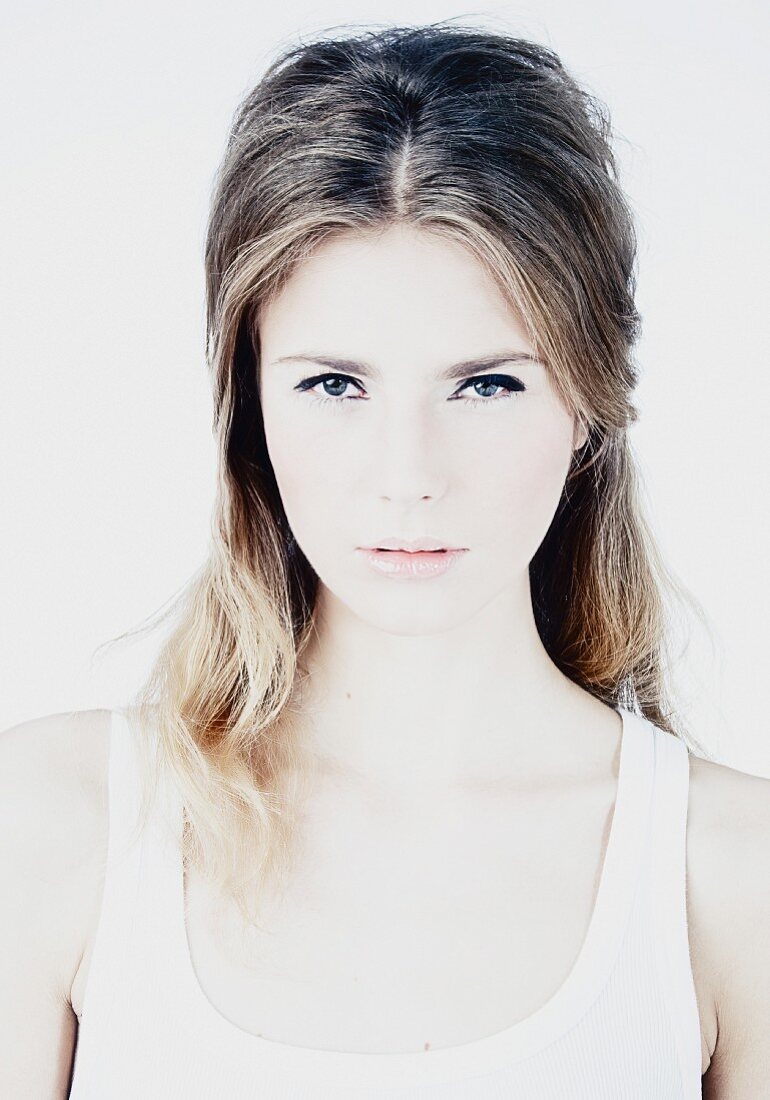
column 400, row 287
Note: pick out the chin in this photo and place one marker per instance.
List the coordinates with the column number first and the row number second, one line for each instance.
column 413, row 614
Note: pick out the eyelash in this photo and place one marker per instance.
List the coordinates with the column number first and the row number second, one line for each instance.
column 504, row 380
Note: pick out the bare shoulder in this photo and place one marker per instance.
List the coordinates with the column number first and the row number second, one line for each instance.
column 728, row 853
column 53, row 842
column 53, row 813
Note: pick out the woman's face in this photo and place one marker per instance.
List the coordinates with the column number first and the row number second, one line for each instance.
column 391, row 446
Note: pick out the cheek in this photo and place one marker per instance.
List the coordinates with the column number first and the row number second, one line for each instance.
column 522, row 494
column 309, row 474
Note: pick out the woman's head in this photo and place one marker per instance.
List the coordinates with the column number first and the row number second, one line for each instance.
column 353, row 155
column 411, row 197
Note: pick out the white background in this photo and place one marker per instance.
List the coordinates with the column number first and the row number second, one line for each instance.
column 114, row 119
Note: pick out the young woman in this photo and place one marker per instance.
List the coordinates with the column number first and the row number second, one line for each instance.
column 404, row 809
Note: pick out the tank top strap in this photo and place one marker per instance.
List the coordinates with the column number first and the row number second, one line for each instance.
column 116, row 925
column 137, row 928
column 159, row 945
column 667, row 897
column 157, row 848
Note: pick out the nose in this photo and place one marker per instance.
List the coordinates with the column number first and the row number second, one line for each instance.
column 410, row 462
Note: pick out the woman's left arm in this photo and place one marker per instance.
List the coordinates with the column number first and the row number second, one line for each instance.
column 731, row 879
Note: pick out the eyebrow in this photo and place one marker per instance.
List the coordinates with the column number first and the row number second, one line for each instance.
column 451, row 373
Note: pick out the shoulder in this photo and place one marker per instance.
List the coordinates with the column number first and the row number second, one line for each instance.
column 53, row 829
column 53, row 770
column 728, row 854
column 58, row 739
column 729, row 839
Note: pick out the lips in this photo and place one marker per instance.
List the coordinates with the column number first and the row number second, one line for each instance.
column 411, row 564
column 425, row 544
column 387, row 550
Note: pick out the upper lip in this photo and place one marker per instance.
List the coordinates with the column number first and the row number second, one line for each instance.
column 426, row 543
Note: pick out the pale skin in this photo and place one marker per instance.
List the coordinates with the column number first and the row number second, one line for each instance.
column 447, row 742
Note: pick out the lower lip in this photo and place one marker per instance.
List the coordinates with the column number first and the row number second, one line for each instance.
column 422, row 563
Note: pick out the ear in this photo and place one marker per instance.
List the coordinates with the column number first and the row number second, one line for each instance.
column 580, row 436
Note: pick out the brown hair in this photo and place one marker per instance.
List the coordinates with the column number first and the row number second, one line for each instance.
column 489, row 141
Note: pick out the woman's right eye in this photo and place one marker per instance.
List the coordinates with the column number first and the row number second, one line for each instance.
column 341, row 380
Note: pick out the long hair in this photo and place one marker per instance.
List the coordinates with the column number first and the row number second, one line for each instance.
column 489, row 141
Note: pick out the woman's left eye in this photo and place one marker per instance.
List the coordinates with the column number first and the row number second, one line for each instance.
column 511, row 386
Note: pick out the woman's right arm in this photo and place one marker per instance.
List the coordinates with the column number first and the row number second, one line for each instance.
column 53, row 839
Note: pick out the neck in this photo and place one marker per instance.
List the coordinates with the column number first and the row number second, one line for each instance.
column 479, row 701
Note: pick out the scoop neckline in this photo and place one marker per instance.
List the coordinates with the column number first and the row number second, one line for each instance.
column 585, row 981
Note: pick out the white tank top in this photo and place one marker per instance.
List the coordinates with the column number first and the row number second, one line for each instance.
column 623, row 1025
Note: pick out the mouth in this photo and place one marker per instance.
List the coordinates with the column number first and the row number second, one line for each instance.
column 393, row 550
column 411, row 564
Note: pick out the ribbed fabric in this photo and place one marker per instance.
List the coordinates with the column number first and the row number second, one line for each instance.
column 623, row 1026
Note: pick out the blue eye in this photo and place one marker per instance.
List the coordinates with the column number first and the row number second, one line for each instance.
column 510, row 386
column 310, row 383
